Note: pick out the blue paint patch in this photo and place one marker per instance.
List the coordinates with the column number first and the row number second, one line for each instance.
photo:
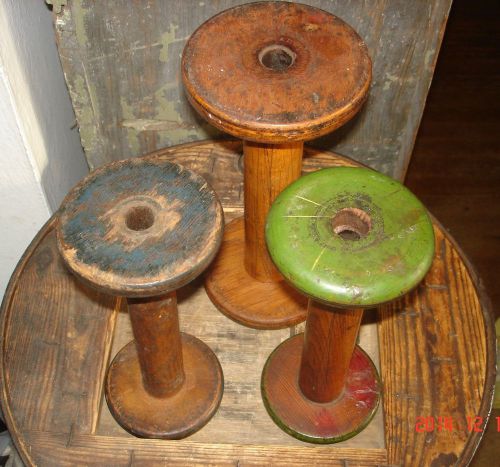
column 84, row 229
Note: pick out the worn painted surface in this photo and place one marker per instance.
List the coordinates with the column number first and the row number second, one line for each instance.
column 122, row 60
column 140, row 227
column 325, row 423
column 390, row 257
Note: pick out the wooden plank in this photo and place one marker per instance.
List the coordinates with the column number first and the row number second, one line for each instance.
column 55, row 332
column 436, row 351
column 121, row 60
column 106, row 450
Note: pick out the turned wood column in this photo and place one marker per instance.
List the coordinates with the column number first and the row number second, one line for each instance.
column 329, row 341
column 268, row 169
column 155, row 324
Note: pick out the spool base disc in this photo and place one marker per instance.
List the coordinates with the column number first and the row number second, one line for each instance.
column 173, row 417
column 260, row 305
column 321, row 423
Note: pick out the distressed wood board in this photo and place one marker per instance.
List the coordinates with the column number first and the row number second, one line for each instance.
column 121, row 61
column 436, row 354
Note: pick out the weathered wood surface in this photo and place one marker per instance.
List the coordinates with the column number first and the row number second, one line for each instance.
column 329, row 342
column 121, row 60
column 332, row 420
column 268, row 170
column 139, row 227
column 251, row 302
column 447, row 336
column 436, row 358
column 276, row 72
column 242, row 281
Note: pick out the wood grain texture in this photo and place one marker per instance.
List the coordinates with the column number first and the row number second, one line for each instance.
column 249, row 301
column 132, row 451
column 329, row 342
column 331, row 421
column 121, row 61
column 242, row 352
column 437, row 328
column 155, row 323
column 288, row 72
column 268, row 169
column 64, row 355
column 139, row 227
column 404, row 345
column 173, row 416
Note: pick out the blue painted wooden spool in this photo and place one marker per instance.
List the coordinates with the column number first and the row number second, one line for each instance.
column 142, row 228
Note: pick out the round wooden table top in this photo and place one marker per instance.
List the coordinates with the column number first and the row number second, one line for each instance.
column 436, row 359
column 350, row 236
column 276, row 71
column 140, row 227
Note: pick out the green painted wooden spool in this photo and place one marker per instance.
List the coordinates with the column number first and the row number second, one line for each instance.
column 349, row 238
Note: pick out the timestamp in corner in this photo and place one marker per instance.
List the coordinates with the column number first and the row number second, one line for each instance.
column 474, row 424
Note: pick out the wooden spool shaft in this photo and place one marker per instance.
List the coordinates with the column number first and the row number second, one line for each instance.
column 155, row 324
column 329, row 341
column 268, row 169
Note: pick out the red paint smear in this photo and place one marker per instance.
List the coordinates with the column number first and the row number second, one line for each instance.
column 317, row 18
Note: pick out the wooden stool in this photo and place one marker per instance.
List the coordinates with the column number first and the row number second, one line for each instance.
column 349, row 238
column 275, row 74
column 143, row 228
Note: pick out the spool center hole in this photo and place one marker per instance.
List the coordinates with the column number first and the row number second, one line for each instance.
column 139, row 218
column 277, row 57
column 351, row 224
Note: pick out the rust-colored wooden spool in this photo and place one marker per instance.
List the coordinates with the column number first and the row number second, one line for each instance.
column 275, row 74
column 142, row 228
column 437, row 358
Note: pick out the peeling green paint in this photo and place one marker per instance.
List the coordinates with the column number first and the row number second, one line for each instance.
column 166, row 39
column 79, row 19
column 169, row 110
column 56, row 5
column 127, row 111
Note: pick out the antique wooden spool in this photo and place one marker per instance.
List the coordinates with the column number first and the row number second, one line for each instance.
column 141, row 229
column 275, row 74
column 348, row 238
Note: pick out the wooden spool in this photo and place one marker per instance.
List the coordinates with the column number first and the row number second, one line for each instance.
column 275, row 74
column 142, row 228
column 349, row 238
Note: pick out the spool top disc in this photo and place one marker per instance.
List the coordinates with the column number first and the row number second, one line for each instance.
column 139, row 227
column 276, row 71
column 350, row 237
